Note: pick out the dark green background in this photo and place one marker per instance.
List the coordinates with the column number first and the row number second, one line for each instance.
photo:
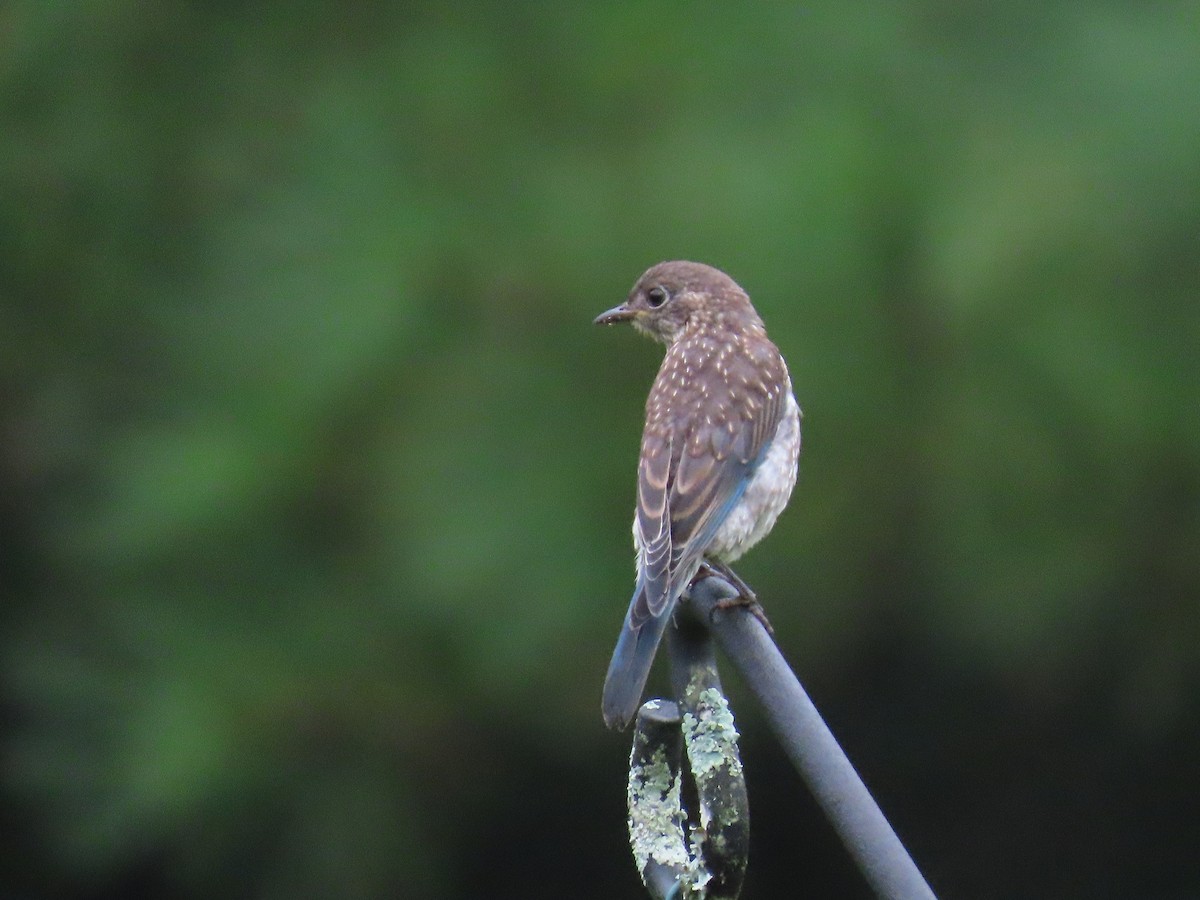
column 315, row 479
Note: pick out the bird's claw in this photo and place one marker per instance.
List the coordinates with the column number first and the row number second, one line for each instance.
column 745, row 596
column 753, row 606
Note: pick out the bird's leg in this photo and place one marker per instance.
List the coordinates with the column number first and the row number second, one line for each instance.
column 723, row 570
column 745, row 595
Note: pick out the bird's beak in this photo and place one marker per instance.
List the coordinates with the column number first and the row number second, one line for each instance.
column 617, row 314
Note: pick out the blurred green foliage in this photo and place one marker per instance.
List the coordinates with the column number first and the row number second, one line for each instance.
column 315, row 482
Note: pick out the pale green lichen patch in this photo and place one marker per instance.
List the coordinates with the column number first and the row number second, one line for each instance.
column 655, row 814
column 657, row 825
column 696, row 881
column 710, row 736
column 711, row 740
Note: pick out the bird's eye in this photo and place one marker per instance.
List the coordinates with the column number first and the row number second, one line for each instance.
column 656, row 296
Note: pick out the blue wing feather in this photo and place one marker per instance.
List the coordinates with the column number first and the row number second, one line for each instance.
column 640, row 636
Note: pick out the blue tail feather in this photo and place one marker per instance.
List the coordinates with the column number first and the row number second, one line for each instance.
column 630, row 667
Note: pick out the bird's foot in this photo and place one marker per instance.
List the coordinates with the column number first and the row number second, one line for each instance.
column 745, row 596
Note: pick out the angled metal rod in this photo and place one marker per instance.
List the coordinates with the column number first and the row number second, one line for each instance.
column 809, row 744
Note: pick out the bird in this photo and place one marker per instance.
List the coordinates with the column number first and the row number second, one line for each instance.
column 718, row 458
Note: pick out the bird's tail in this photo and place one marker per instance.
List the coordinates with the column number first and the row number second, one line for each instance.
column 630, row 666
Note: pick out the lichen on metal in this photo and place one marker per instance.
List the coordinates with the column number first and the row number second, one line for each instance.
column 656, row 816
column 711, row 742
column 710, row 736
column 658, row 828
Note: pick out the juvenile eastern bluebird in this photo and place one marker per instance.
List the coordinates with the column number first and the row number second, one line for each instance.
column 719, row 452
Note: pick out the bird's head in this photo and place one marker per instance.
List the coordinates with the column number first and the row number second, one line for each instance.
column 674, row 298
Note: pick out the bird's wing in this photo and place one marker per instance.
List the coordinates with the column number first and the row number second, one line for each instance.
column 704, row 436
